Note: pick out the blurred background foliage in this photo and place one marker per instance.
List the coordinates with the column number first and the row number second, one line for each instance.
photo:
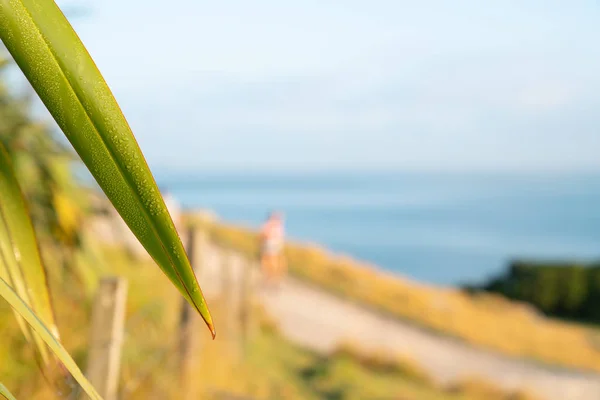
column 45, row 168
column 564, row 289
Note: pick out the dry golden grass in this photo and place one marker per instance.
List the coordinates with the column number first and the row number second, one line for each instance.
column 478, row 389
column 272, row 368
column 483, row 320
column 384, row 362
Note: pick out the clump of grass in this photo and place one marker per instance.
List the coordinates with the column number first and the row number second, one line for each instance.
column 477, row 388
column 384, row 362
column 483, row 320
column 480, row 389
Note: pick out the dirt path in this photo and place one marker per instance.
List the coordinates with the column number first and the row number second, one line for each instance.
column 318, row 320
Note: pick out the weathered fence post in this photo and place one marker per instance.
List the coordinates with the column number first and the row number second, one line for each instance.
column 190, row 323
column 248, row 302
column 226, row 268
column 231, row 299
column 108, row 320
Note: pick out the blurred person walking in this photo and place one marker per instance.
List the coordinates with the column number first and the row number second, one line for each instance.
column 272, row 239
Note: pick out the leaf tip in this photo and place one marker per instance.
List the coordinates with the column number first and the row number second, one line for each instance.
column 205, row 314
column 212, row 330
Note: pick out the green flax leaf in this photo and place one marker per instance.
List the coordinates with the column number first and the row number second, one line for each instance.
column 58, row 66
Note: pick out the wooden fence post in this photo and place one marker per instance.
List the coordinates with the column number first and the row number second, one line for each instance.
column 108, row 320
column 190, row 323
column 248, row 302
column 231, row 298
column 226, row 290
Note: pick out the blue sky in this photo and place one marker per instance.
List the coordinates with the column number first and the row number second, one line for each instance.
column 375, row 84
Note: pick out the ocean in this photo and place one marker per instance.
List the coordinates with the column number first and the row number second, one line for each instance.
column 442, row 228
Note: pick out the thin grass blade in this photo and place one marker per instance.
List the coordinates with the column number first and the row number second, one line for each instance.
column 19, row 254
column 8, row 294
column 59, row 68
column 5, row 393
